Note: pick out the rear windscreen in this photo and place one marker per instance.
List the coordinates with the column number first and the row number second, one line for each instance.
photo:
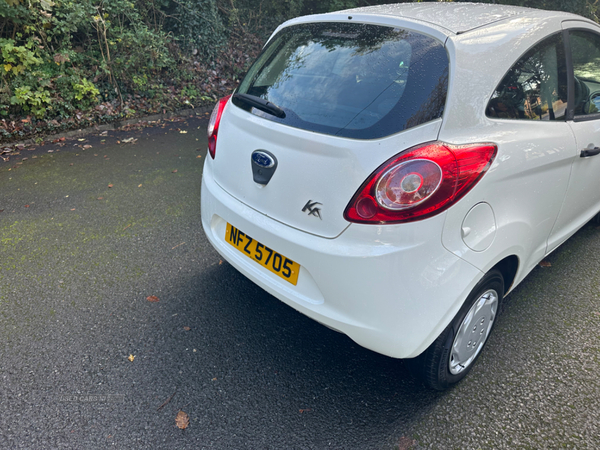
column 352, row 80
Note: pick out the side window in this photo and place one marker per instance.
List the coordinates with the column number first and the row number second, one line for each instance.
column 585, row 48
column 535, row 88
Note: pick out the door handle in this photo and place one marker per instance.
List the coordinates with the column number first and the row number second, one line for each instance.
column 590, row 152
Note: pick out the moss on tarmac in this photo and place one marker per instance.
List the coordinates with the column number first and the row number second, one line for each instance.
column 74, row 214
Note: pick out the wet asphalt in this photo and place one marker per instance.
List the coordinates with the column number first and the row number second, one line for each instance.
column 90, row 229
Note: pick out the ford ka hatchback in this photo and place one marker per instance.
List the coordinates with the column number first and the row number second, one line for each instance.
column 394, row 171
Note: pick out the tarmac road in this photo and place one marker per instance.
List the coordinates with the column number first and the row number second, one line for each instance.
column 78, row 260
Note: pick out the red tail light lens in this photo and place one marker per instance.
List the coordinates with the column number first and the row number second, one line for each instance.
column 213, row 125
column 420, row 182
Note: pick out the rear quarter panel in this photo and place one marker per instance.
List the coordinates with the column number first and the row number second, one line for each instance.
column 526, row 184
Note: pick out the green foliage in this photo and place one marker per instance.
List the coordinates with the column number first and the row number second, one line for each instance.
column 59, row 58
column 191, row 92
column 17, row 58
column 197, row 26
column 34, row 101
column 71, row 42
column 85, row 91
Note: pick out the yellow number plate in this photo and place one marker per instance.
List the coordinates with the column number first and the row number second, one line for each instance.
column 269, row 259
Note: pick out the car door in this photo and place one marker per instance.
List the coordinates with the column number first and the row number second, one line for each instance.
column 582, row 199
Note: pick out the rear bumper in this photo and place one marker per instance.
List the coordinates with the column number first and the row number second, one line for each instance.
column 392, row 289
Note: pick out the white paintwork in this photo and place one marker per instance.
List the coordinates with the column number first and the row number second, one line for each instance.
column 312, row 166
column 456, row 17
column 368, row 283
column 527, row 182
column 478, row 230
column 582, row 200
column 394, row 288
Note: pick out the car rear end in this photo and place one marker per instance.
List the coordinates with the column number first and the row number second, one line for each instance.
column 326, row 184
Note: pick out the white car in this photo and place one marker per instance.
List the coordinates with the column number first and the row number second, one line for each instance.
column 394, row 171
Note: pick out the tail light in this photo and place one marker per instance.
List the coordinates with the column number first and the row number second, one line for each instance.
column 420, row 182
column 213, row 125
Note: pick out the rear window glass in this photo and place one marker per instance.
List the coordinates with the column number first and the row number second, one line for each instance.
column 352, row 80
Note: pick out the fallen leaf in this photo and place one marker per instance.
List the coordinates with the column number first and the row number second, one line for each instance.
column 72, row 209
column 305, row 410
column 214, row 379
column 50, row 151
column 86, row 146
column 139, row 185
column 81, row 140
column 183, row 132
column 199, row 156
column 175, row 171
column 131, row 357
column 152, row 298
column 100, row 198
column 26, row 206
column 71, row 164
column 545, row 263
column 110, row 185
column 129, row 140
column 187, row 328
column 406, row 443
column 182, row 420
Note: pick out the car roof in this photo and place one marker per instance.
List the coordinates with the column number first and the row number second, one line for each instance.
column 455, row 17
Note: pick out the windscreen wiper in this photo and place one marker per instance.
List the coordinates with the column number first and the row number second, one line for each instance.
column 261, row 104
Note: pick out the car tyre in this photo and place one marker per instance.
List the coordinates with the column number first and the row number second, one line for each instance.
column 452, row 355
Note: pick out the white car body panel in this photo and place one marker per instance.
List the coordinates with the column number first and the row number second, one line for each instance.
column 395, row 288
column 582, row 199
column 344, row 283
column 455, row 17
column 301, row 163
column 526, row 185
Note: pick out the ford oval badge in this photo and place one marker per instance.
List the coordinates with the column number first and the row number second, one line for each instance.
column 264, row 164
column 263, row 159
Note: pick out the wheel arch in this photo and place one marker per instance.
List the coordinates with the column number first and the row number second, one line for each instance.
column 508, row 267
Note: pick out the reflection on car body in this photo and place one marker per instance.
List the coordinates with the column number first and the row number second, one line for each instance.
column 447, row 148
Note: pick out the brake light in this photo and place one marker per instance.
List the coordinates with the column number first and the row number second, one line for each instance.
column 213, row 125
column 420, row 182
